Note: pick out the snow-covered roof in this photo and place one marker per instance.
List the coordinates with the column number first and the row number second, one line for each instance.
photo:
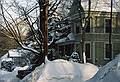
column 7, row 59
column 58, row 34
column 70, row 37
column 101, row 5
column 14, row 53
column 61, row 40
column 23, row 68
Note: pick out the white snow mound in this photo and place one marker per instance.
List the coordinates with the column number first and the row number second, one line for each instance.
column 65, row 71
column 108, row 73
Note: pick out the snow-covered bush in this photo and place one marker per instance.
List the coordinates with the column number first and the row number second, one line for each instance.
column 7, row 65
column 16, row 57
column 74, row 57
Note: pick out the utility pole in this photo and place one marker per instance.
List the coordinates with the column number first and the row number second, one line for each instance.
column 110, row 32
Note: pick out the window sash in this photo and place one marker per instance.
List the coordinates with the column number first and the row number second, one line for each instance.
column 107, row 51
column 107, row 25
column 87, row 50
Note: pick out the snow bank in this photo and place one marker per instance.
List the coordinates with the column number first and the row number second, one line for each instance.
column 65, row 71
column 8, row 76
column 3, row 58
column 33, row 76
column 108, row 73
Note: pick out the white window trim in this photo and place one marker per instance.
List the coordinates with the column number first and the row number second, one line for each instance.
column 105, row 51
column 90, row 50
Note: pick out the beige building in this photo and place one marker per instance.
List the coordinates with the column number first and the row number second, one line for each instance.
column 96, row 35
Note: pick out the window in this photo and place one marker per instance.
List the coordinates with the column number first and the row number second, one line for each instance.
column 78, row 28
column 107, row 51
column 87, row 29
column 66, row 49
column 61, row 50
column 69, row 49
column 87, row 50
column 107, row 25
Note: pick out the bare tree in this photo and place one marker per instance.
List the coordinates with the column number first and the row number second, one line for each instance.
column 34, row 15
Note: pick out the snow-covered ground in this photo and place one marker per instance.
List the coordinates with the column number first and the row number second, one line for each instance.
column 32, row 77
column 6, row 76
column 108, row 73
column 65, row 71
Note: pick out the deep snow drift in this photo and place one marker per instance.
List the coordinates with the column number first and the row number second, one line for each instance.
column 65, row 71
column 6, row 76
column 108, row 73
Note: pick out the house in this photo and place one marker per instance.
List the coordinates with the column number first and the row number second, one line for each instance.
column 97, row 32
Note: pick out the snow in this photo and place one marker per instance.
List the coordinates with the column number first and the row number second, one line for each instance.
column 8, row 76
column 74, row 57
column 28, row 48
column 61, row 40
column 65, row 71
column 101, row 5
column 23, row 68
column 14, row 53
column 3, row 58
column 32, row 77
column 7, row 59
column 70, row 37
column 58, row 34
column 108, row 73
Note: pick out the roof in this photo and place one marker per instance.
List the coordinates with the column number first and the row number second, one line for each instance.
column 13, row 53
column 101, row 5
column 70, row 38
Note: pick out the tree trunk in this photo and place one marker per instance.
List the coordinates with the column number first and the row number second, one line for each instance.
column 44, row 26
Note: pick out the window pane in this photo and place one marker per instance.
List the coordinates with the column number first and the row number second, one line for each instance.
column 87, row 29
column 61, row 50
column 69, row 49
column 107, row 49
column 78, row 28
column 87, row 50
column 107, row 25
